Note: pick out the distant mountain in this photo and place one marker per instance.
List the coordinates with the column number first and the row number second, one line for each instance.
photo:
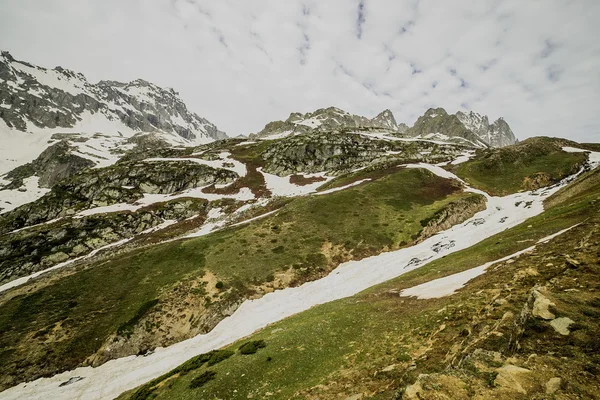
column 329, row 119
column 471, row 128
column 36, row 103
column 498, row 134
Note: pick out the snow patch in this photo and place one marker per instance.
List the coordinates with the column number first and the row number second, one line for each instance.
column 114, row 377
column 448, row 285
column 30, row 191
column 281, row 185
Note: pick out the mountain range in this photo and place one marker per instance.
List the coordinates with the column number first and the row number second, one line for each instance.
column 471, row 129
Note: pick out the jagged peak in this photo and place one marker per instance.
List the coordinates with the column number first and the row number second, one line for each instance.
column 435, row 112
column 7, row 56
column 387, row 113
column 385, row 119
column 70, row 73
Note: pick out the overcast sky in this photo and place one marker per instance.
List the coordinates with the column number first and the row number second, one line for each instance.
column 244, row 63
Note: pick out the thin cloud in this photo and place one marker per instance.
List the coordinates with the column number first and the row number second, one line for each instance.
column 243, row 64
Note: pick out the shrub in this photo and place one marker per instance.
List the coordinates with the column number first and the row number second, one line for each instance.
column 210, row 358
column 202, row 379
column 278, row 249
column 252, row 347
column 219, row 285
column 219, row 355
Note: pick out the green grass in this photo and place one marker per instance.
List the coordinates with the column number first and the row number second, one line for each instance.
column 348, row 342
column 85, row 308
column 504, row 171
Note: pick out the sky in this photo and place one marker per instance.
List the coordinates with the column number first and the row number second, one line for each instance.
column 243, row 63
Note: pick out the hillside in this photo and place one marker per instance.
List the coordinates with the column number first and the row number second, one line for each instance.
column 429, row 334
column 329, row 256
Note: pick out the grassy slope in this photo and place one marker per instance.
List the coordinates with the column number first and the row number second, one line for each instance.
column 58, row 326
column 503, row 171
column 343, row 347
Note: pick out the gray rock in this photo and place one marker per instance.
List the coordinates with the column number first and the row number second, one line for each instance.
column 139, row 105
column 561, row 325
column 553, row 385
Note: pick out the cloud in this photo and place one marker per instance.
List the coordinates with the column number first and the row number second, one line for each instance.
column 243, row 64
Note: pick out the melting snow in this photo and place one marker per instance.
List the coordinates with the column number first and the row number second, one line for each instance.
column 448, row 285
column 281, row 185
column 593, row 157
column 114, row 377
column 30, row 191
column 337, row 189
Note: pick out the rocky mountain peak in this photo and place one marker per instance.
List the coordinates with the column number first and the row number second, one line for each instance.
column 330, row 119
column 469, row 127
column 435, row 112
column 36, row 102
column 385, row 119
column 498, row 134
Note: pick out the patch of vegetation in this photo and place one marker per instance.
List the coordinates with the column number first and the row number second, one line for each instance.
column 513, row 168
column 252, row 347
column 302, row 180
column 202, row 379
column 211, row 358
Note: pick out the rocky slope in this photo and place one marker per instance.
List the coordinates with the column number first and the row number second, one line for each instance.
column 472, row 129
column 36, row 102
column 497, row 134
column 344, row 152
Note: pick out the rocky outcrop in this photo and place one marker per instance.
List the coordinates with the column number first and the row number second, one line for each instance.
column 56, row 163
column 536, row 181
column 121, row 183
column 51, row 98
column 27, row 251
column 454, row 213
column 342, row 152
column 322, row 152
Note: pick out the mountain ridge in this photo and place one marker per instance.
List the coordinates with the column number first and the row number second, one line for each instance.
column 37, row 102
column 472, row 128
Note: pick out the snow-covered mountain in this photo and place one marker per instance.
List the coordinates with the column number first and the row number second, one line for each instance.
column 471, row 128
column 37, row 103
column 497, row 134
column 329, row 119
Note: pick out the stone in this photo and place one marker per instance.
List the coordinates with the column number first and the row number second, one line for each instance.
column 553, row 385
column 512, row 377
column 572, row 262
column 561, row 325
column 355, row 397
column 541, row 305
